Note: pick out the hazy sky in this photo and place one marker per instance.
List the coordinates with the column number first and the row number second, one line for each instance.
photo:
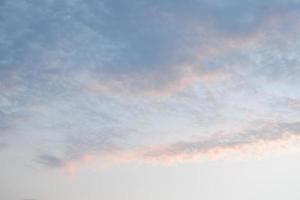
column 149, row 99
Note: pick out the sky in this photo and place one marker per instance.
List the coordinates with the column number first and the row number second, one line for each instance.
column 149, row 99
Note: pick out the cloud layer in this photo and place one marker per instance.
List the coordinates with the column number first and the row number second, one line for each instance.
column 94, row 77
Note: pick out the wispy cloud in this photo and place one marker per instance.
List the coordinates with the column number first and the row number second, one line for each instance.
column 222, row 144
column 262, row 138
column 51, row 161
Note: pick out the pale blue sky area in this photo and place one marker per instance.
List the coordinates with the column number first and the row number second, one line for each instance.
column 149, row 99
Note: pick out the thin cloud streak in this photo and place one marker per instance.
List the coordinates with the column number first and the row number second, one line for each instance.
column 258, row 142
column 220, row 145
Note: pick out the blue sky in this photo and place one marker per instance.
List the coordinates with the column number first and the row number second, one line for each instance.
column 148, row 99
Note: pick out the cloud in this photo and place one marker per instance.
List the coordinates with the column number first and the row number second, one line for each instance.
column 259, row 139
column 2, row 146
column 295, row 103
column 51, row 161
column 222, row 144
column 170, row 50
column 84, row 77
column 209, row 60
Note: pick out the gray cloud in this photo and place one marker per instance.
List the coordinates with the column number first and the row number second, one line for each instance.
column 50, row 161
column 267, row 133
column 2, row 146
